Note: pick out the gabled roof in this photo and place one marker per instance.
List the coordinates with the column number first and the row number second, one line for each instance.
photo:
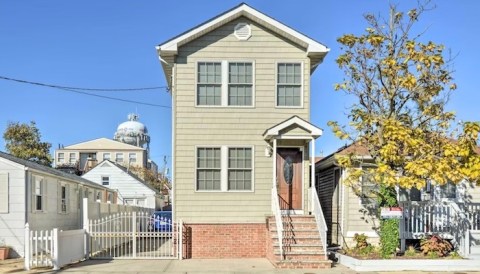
column 102, row 143
column 169, row 48
column 124, row 169
column 49, row 170
column 274, row 131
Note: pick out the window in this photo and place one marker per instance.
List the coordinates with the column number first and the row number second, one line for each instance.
column 98, row 197
column 63, row 198
column 105, row 180
column 239, row 168
column 225, row 84
column 369, row 189
column 106, row 156
column 132, row 157
column 209, row 87
column 289, row 84
column 448, row 191
column 61, row 157
column 119, row 157
column 224, row 169
column 208, row 168
column 38, row 193
column 73, row 158
column 240, row 84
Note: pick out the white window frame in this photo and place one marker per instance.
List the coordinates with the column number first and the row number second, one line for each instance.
column 62, row 158
column 116, row 157
column 302, row 86
column 41, row 181
column 70, row 158
column 109, row 156
column 102, row 177
column 63, row 200
column 224, row 169
column 132, row 159
column 225, row 83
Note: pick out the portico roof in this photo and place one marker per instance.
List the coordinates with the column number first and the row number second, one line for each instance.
column 293, row 128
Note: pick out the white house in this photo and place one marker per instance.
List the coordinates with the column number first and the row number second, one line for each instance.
column 132, row 190
column 41, row 196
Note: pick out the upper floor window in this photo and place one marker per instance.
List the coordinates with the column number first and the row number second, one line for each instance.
column 105, row 180
column 448, row 190
column 225, row 84
column 106, row 156
column 132, row 157
column 61, row 157
column 73, row 158
column 289, row 85
column 63, row 198
column 224, row 168
column 119, row 157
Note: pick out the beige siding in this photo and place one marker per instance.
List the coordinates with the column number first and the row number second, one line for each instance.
column 208, row 126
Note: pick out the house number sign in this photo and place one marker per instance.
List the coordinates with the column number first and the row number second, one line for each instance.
column 288, row 170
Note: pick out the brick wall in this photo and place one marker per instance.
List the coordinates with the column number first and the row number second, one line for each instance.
column 225, row 240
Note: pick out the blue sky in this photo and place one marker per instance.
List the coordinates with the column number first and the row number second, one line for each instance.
column 111, row 44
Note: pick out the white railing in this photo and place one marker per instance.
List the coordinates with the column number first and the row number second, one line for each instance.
column 473, row 215
column 320, row 219
column 53, row 248
column 278, row 219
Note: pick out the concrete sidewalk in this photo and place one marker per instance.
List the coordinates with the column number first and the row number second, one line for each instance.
column 199, row 266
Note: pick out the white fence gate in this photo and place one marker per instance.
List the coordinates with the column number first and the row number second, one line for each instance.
column 134, row 235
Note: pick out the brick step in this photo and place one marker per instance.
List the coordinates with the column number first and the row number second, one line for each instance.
column 299, row 250
column 300, row 240
column 291, row 264
column 299, row 233
column 301, row 256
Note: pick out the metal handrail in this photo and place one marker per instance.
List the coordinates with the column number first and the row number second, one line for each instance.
column 320, row 220
column 278, row 219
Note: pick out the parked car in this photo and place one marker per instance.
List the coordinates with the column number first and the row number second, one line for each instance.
column 161, row 221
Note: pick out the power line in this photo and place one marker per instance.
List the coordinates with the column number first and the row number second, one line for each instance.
column 82, row 91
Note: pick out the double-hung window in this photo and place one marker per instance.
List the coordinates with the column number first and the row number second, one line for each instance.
column 208, row 168
column 105, row 180
column 132, row 157
column 240, row 84
column 224, row 168
column 106, row 156
column 239, row 169
column 38, row 193
column 225, row 84
column 209, row 86
column 63, row 189
column 61, row 157
column 369, row 189
column 289, row 85
column 119, row 157
column 73, row 158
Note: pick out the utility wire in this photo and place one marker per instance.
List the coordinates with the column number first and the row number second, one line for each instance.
column 82, row 91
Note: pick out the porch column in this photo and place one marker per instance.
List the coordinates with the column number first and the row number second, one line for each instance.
column 312, row 176
column 274, row 154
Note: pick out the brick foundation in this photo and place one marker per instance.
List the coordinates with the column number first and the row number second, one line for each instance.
column 225, row 240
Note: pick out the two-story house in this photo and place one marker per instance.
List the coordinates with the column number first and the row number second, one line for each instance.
column 242, row 140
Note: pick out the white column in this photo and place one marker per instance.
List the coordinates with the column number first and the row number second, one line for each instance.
column 26, row 251
column 312, row 178
column 55, row 249
column 274, row 170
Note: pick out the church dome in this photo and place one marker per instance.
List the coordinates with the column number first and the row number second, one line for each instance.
column 132, row 132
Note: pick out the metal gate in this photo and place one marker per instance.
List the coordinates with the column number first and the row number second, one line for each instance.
column 134, row 235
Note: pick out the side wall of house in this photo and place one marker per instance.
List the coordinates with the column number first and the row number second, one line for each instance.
column 230, row 126
column 12, row 217
column 127, row 186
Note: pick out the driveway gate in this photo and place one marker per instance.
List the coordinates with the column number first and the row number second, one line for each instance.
column 134, row 235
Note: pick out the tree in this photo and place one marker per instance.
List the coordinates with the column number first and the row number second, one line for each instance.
column 23, row 141
column 157, row 180
column 402, row 86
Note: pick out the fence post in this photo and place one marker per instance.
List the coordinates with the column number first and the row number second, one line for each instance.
column 27, row 247
column 55, row 249
column 86, row 228
column 402, row 229
column 180, row 239
column 134, row 233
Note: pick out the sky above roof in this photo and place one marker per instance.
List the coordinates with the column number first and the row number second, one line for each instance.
column 111, row 44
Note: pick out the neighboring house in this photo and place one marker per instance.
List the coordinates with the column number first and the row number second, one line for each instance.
column 41, row 196
column 351, row 209
column 240, row 84
column 131, row 189
column 87, row 154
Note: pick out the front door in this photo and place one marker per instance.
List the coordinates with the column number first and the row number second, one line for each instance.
column 289, row 178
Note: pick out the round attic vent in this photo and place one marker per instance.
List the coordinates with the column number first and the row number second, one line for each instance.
column 243, row 31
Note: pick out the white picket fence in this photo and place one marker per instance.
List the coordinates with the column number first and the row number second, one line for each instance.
column 53, row 248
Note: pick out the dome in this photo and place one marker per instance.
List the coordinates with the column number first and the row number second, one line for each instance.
column 132, row 132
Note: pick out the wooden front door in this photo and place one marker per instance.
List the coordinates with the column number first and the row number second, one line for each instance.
column 289, row 178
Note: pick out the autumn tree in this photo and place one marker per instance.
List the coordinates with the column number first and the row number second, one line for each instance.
column 402, row 85
column 23, row 141
column 156, row 180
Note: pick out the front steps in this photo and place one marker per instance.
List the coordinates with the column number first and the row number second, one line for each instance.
column 474, row 244
column 302, row 247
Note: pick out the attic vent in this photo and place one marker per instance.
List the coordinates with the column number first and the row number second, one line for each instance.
column 105, row 165
column 243, row 31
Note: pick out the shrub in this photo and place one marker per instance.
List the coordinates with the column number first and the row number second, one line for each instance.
column 411, row 251
column 435, row 246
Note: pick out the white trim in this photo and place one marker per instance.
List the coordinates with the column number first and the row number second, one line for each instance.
column 224, row 169
column 247, row 11
column 224, row 64
column 302, row 86
column 242, row 25
column 295, row 120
